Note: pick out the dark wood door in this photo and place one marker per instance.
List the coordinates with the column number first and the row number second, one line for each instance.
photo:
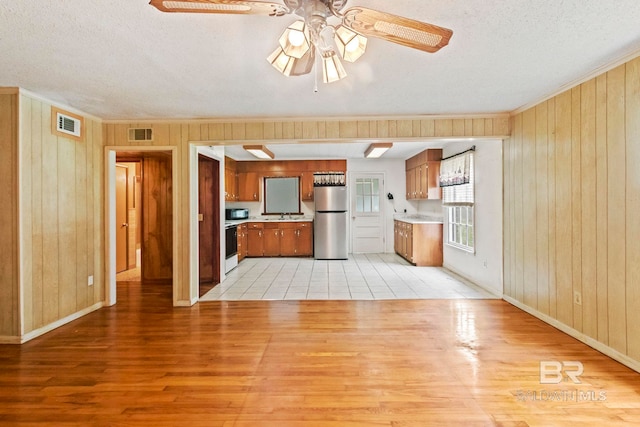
column 209, row 219
column 157, row 219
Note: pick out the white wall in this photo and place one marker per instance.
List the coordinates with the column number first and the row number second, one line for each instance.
column 484, row 267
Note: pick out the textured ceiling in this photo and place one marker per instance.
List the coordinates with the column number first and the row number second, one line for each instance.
column 123, row 59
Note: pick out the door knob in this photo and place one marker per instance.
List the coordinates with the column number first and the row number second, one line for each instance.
column 124, row 224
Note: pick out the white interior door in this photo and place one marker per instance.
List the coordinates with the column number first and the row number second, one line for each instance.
column 367, row 215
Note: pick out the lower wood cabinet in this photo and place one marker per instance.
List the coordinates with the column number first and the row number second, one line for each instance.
column 273, row 239
column 243, row 237
column 420, row 244
column 255, row 241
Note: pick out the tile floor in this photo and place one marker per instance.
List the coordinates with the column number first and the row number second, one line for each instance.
column 361, row 277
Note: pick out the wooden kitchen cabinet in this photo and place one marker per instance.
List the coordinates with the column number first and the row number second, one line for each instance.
column 255, row 239
column 243, row 240
column 288, row 239
column 248, row 186
column 274, row 239
column 230, row 180
column 249, row 175
column 304, row 242
column 422, row 174
column 306, row 186
column 296, row 239
column 420, row 244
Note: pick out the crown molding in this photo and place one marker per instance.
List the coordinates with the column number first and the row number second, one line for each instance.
column 502, row 115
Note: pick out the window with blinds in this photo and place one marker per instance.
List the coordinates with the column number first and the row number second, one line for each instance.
column 457, row 182
column 461, row 193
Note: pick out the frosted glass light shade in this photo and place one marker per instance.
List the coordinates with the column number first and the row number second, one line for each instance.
column 351, row 45
column 295, row 40
column 332, row 69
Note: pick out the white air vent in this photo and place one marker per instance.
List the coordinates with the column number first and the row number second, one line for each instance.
column 69, row 125
column 140, row 134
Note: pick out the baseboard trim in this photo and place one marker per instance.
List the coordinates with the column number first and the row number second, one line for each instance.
column 8, row 339
column 597, row 345
column 453, row 271
column 51, row 326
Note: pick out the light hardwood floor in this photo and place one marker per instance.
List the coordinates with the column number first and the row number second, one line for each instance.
column 392, row 363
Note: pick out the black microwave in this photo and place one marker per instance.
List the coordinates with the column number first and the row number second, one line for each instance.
column 236, row 213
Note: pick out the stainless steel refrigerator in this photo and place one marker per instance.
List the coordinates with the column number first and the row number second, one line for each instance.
column 330, row 222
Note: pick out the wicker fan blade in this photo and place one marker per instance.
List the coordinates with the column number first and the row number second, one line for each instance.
column 221, row 6
column 396, row 29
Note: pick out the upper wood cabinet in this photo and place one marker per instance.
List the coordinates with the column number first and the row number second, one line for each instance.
column 249, row 175
column 230, row 180
column 422, row 172
column 306, row 185
column 248, row 186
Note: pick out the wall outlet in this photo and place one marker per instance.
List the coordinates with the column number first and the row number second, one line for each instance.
column 90, row 281
column 577, row 298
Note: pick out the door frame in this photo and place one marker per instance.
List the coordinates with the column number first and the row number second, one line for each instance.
column 214, row 153
column 110, row 215
column 352, row 195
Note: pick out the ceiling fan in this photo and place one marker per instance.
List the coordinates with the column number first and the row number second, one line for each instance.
column 314, row 35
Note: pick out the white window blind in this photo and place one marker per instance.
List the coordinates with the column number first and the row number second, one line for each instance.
column 457, row 181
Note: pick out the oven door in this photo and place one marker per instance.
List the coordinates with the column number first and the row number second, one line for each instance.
column 231, row 240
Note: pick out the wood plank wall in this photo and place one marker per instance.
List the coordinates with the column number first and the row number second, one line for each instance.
column 571, row 208
column 181, row 133
column 9, row 286
column 61, row 217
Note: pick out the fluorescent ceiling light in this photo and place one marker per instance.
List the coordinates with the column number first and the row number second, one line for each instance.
column 260, row 151
column 377, row 149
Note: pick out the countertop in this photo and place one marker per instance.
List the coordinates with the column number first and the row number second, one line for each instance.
column 267, row 220
column 418, row 219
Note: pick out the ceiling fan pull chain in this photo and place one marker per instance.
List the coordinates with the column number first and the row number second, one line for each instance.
column 315, row 80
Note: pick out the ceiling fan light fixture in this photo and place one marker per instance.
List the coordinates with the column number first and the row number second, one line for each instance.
column 351, row 45
column 295, row 40
column 290, row 66
column 332, row 69
column 377, row 149
column 281, row 61
column 260, row 151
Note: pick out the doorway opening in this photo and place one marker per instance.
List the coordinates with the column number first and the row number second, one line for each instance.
column 209, row 233
column 128, row 220
column 140, row 218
